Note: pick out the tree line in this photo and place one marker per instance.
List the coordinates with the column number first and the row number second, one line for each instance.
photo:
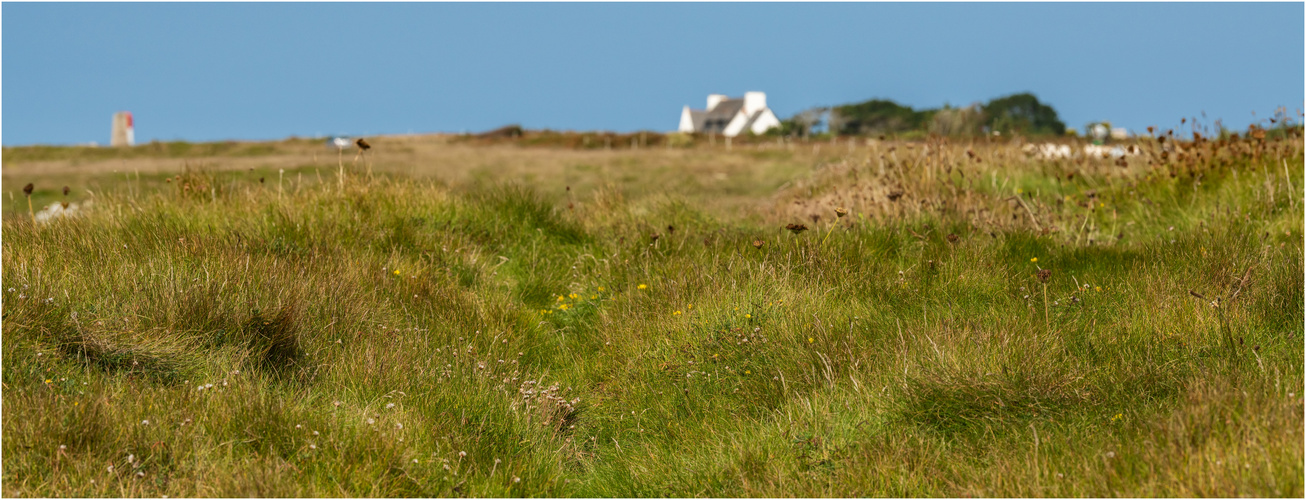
column 1013, row 114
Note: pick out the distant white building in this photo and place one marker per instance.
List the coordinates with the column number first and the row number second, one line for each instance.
column 123, row 132
column 730, row 117
column 1102, row 130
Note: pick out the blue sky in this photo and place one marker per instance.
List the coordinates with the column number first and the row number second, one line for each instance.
column 204, row 72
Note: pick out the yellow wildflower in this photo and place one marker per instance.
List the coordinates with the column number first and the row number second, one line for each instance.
column 642, row 286
column 748, row 316
column 1099, row 288
column 600, row 289
column 810, row 340
column 677, row 313
column 574, row 296
column 396, row 272
column 48, row 381
column 592, row 297
column 1035, row 259
column 748, row 372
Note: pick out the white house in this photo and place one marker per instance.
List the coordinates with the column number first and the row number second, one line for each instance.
column 730, row 117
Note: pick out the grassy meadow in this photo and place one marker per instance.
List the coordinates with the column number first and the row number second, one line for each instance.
column 493, row 318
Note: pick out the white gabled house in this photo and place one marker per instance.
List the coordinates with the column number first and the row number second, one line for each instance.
column 730, row 117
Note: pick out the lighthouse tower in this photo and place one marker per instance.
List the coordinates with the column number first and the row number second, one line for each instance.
column 124, row 131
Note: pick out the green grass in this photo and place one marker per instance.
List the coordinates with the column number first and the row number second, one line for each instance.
column 415, row 338
column 173, row 149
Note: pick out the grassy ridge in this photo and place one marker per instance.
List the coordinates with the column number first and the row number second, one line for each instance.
column 407, row 338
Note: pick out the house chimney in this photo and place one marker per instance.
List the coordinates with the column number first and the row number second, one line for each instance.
column 754, row 102
column 714, row 99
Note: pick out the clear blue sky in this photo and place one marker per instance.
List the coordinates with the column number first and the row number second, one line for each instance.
column 203, row 72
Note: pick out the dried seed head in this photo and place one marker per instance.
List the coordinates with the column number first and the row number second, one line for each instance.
column 952, row 238
column 27, row 190
column 840, row 212
column 796, row 228
column 758, row 243
column 893, row 196
column 1044, row 274
column 65, row 190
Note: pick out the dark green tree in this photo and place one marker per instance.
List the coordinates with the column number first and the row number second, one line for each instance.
column 879, row 116
column 1022, row 113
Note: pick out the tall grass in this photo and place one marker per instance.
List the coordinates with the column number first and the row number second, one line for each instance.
column 489, row 338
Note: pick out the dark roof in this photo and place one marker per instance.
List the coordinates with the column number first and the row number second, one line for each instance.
column 718, row 117
column 697, row 117
column 726, row 109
